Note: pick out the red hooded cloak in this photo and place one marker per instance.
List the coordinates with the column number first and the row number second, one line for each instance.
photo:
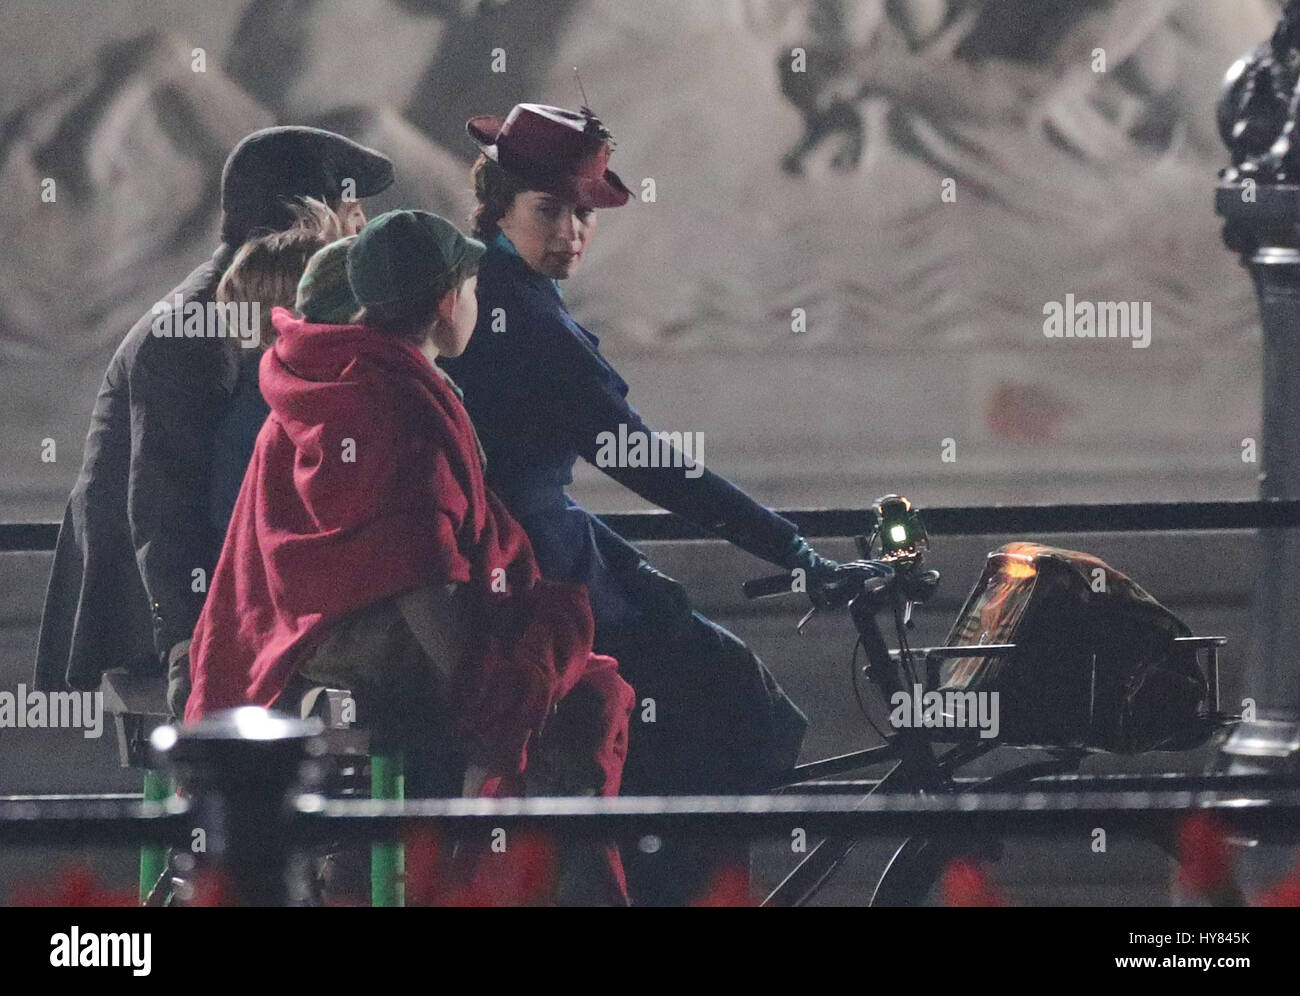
column 365, row 482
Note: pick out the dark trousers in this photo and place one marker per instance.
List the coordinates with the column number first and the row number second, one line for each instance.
column 709, row 719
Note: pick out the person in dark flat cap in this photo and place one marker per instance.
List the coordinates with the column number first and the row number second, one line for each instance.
column 136, row 548
column 541, row 394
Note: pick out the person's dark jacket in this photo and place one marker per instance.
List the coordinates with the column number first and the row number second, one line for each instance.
column 234, row 438
column 541, row 394
column 123, row 589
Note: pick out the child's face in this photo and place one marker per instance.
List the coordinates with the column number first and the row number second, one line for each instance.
column 351, row 216
column 457, row 314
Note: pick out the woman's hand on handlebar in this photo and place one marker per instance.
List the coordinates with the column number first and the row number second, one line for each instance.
column 836, row 589
column 803, row 557
column 834, row 586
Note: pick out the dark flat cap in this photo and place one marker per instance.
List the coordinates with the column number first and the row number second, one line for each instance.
column 273, row 164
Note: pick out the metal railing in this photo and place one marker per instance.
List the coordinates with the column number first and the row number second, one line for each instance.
column 972, row 520
column 1256, row 803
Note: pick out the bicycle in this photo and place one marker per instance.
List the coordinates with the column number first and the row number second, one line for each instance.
column 895, row 582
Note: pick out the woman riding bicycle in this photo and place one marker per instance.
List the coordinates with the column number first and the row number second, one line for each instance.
column 711, row 719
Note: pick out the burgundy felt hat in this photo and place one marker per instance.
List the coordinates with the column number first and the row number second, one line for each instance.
column 565, row 153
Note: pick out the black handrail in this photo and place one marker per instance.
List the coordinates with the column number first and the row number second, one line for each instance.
column 970, row 520
column 1245, row 801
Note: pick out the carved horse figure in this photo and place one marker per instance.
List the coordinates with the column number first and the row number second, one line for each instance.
column 943, row 68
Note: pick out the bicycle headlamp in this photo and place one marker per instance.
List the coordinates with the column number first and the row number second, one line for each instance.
column 899, row 526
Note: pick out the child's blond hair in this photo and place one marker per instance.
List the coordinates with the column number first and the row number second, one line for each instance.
column 266, row 269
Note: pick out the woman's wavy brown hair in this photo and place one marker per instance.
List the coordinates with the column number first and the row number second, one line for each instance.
column 495, row 190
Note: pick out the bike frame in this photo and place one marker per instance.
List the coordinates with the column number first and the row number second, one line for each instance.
column 917, row 768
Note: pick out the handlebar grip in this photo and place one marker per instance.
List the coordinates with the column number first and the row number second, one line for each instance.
column 776, row 584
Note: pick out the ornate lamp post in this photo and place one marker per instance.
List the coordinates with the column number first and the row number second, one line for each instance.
column 1259, row 198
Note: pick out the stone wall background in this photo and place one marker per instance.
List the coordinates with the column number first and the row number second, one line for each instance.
column 924, row 319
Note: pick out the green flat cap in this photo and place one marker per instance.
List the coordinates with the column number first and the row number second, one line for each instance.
column 404, row 253
column 324, row 295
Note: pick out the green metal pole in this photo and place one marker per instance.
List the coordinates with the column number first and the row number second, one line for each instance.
column 153, row 857
column 387, row 861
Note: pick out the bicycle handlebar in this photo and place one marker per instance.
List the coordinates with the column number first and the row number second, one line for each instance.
column 775, row 584
column 852, row 576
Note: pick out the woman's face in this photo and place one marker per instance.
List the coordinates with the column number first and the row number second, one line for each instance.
column 551, row 234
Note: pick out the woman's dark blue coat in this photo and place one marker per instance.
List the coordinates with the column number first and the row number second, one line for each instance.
column 540, row 393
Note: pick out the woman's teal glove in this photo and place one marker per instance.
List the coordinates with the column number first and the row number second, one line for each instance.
column 817, row 569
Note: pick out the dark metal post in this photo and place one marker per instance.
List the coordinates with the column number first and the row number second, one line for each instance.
column 1259, row 198
column 241, row 769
